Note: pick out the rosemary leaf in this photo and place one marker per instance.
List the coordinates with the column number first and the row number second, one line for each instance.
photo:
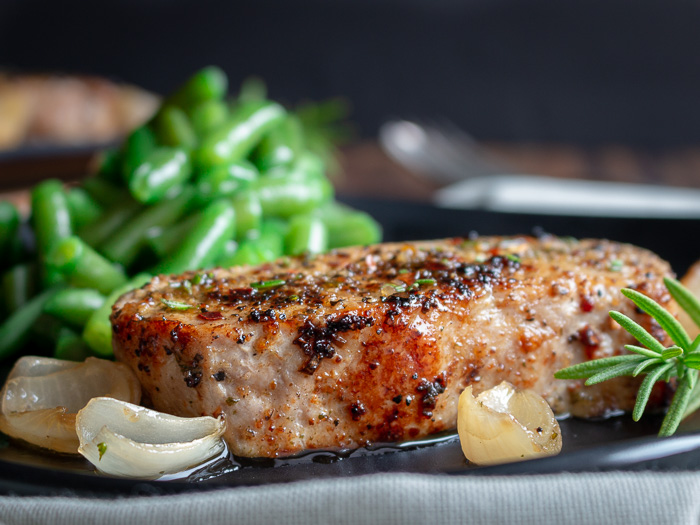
column 671, row 352
column 643, row 366
column 669, row 374
column 694, row 402
column 265, row 285
column 623, row 369
column 692, row 361
column 695, row 345
column 639, row 333
column 684, row 298
column 589, row 368
column 677, row 408
column 681, row 360
column 645, row 389
column 642, row 351
column 669, row 323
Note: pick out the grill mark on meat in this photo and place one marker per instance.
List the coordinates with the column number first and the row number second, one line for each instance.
column 376, row 343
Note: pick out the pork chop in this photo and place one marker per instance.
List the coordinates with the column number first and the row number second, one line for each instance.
column 374, row 344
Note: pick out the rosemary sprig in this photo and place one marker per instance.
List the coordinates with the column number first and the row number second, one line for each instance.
column 659, row 363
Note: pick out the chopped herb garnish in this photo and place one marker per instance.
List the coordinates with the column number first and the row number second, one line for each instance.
column 264, row 285
column 616, row 265
column 203, row 278
column 403, row 271
column 513, row 257
column 396, row 287
column 176, row 305
column 187, row 285
column 680, row 360
column 425, row 281
column 102, row 448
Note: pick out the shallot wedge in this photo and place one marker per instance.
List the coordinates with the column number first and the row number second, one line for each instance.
column 122, row 439
column 503, row 424
column 42, row 396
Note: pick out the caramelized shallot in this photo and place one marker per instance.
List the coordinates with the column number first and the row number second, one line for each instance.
column 503, row 424
column 127, row 440
column 42, row 396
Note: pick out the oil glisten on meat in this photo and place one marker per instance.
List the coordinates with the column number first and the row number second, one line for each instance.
column 374, row 344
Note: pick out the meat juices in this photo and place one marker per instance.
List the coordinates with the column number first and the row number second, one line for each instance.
column 374, row 344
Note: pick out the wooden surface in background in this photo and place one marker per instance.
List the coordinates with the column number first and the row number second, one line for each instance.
column 368, row 172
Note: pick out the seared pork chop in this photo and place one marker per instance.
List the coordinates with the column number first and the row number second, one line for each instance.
column 374, row 344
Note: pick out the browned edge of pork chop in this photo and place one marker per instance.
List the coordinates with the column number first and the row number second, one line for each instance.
column 374, row 344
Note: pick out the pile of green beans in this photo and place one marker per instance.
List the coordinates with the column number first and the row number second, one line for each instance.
column 206, row 182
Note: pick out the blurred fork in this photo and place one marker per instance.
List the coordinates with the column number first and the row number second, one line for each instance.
column 441, row 152
column 445, row 154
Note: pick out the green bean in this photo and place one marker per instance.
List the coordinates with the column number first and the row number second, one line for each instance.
column 280, row 146
column 84, row 267
column 224, row 181
column 50, row 215
column 248, row 212
column 166, row 240
column 300, row 190
column 105, row 193
column 246, row 254
column 83, row 208
column 271, row 238
column 165, row 170
column 206, row 84
column 207, row 116
column 98, row 232
column 51, row 221
column 125, row 245
column 98, row 329
column 236, row 138
column 307, row 234
column 16, row 328
column 137, row 148
column 202, row 246
column 70, row 346
column 17, row 286
column 74, row 305
column 11, row 244
column 229, row 250
column 173, row 128
column 109, row 165
column 348, row 227
column 265, row 244
column 43, row 334
column 9, row 225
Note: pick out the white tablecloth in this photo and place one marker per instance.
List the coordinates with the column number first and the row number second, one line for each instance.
column 592, row 498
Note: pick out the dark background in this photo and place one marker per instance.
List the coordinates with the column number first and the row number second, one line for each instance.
column 586, row 72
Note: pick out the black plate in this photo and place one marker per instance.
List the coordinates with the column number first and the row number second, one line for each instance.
column 616, row 443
